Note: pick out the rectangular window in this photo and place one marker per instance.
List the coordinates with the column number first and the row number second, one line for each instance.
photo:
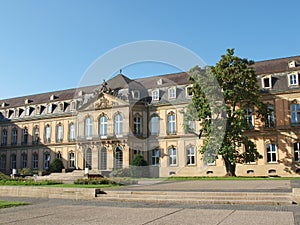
column 267, row 82
column 271, row 153
column 296, row 152
column 155, row 157
column 3, row 162
column 71, row 160
column 14, row 138
column 24, row 161
column 172, row 93
column 35, row 161
column 4, row 137
column 293, row 79
column 155, row 95
column 171, row 124
column 46, row 160
column 295, row 111
column 72, row 132
column 270, row 117
column 172, row 157
column 249, row 118
column 47, row 134
column 190, row 154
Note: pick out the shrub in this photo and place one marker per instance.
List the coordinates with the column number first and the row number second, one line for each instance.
column 139, row 167
column 3, row 176
column 97, row 181
column 126, row 172
column 56, row 166
column 25, row 171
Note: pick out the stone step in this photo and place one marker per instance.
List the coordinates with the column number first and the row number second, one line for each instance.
column 266, row 198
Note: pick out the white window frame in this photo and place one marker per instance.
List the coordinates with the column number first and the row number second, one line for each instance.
column 152, row 123
column 190, row 156
column 171, row 123
column 272, row 149
column 155, row 157
column 88, row 127
column 263, row 82
column 47, row 133
column 295, row 114
column 59, row 130
column 155, row 94
column 172, row 93
column 293, row 79
column 136, row 92
column 118, row 125
column 72, row 132
column 172, row 153
column 103, row 123
column 71, row 159
column 187, row 92
column 297, row 151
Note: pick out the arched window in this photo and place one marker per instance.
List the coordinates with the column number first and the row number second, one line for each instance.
column 154, row 125
column 14, row 136
column 118, row 125
column 3, row 162
column 35, row 161
column 46, row 160
column 59, row 133
column 118, row 158
column 36, row 135
column 137, row 125
column 13, row 161
column 103, row 126
column 103, row 159
column 24, row 160
column 4, row 137
column 88, row 159
column 171, row 123
column 47, row 133
column 71, row 132
column 88, row 127
column 24, row 136
column 155, row 157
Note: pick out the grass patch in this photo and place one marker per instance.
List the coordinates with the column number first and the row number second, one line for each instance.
column 27, row 182
column 7, row 204
column 85, row 185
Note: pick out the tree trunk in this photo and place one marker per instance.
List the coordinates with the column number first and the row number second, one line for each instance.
column 230, row 168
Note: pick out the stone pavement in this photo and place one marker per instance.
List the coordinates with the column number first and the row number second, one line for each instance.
column 63, row 211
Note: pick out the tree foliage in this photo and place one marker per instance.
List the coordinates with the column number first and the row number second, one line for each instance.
column 236, row 80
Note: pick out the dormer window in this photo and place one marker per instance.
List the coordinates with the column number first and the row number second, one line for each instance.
column 267, row 82
column 73, row 106
column 53, row 97
column 189, row 91
column 293, row 79
column 172, row 93
column 292, row 64
column 159, row 82
column 136, row 94
column 27, row 111
column 61, row 107
column 155, row 94
column 49, row 108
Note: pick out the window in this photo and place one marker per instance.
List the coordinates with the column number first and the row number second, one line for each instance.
column 293, row 79
column 172, row 156
column 118, row 125
column 71, row 160
column 210, row 157
column 71, row 132
column 155, row 95
column 73, row 106
column 297, row 152
column 103, row 159
column 4, row 137
column 35, row 161
column 172, row 92
column 137, row 125
column 189, row 91
column 24, row 160
column 49, row 108
column 47, row 133
column 58, row 155
column 88, row 127
column 118, row 158
column 13, row 161
column 154, row 125
column 3, row 162
column 270, row 117
column 171, row 123
column 27, row 111
column 136, row 94
column 24, row 136
column 271, row 153
column 295, row 110
column 103, row 126
column 267, row 82
column 155, row 157
column 88, row 159
column 59, row 133
column 46, row 160
column 14, row 138
column 190, row 154
column 36, row 135
column 61, row 107
column 248, row 117
column 191, row 126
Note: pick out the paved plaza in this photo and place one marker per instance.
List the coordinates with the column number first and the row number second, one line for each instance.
column 62, row 211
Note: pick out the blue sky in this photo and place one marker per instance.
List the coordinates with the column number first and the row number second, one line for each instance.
column 48, row 45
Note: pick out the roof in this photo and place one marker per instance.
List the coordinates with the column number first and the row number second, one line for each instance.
column 276, row 65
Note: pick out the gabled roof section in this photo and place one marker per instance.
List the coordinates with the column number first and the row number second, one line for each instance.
column 276, row 65
column 118, row 82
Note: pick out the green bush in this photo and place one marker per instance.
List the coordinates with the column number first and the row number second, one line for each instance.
column 97, row 181
column 126, row 172
column 56, row 166
column 139, row 167
column 3, row 176
column 25, row 171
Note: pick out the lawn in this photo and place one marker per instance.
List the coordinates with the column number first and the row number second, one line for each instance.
column 7, row 204
column 231, row 178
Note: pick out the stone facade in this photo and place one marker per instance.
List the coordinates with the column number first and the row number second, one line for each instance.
column 102, row 127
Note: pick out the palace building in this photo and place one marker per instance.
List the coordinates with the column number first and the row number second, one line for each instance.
column 103, row 127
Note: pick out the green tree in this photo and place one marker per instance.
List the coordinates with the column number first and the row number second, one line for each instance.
column 139, row 167
column 237, row 83
column 56, row 166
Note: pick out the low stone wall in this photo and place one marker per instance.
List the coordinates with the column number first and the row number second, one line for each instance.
column 296, row 195
column 48, row 192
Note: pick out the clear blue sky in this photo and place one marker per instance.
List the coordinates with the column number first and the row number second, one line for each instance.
column 48, row 45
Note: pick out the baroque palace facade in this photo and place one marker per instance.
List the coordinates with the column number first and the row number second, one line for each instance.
column 103, row 127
